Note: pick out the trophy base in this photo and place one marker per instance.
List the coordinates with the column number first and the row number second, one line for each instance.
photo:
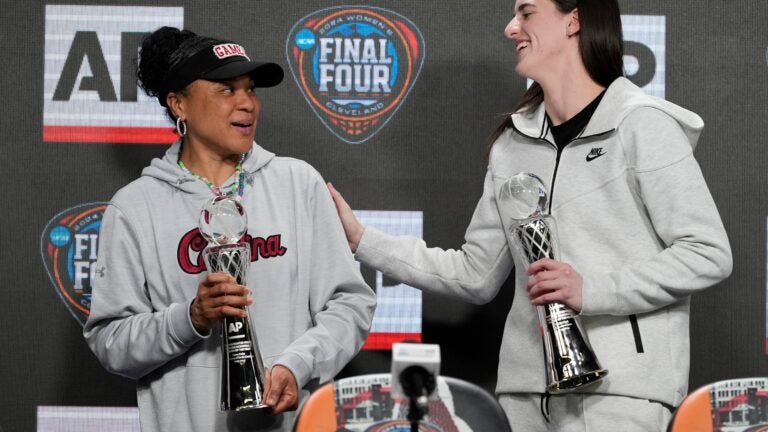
column 245, row 407
column 251, row 407
column 577, row 382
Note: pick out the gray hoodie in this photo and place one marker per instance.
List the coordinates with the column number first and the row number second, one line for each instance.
column 634, row 218
column 311, row 309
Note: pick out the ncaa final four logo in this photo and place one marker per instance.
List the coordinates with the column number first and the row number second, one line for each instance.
column 68, row 246
column 355, row 66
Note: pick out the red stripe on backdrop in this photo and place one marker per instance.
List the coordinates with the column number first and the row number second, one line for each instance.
column 384, row 341
column 106, row 134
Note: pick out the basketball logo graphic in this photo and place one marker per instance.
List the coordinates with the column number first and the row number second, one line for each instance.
column 355, row 66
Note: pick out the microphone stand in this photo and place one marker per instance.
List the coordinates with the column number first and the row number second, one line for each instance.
column 417, row 384
column 417, row 409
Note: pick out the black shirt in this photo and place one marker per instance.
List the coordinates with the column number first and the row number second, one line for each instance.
column 571, row 128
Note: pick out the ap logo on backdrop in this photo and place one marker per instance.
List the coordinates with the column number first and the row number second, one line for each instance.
column 645, row 51
column 355, row 66
column 68, row 247
column 89, row 83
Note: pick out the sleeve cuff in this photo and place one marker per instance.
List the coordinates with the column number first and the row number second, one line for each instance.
column 181, row 324
column 365, row 249
column 300, row 369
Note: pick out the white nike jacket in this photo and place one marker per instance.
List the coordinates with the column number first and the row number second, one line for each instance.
column 635, row 219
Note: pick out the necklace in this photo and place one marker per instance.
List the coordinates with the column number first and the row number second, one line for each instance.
column 237, row 187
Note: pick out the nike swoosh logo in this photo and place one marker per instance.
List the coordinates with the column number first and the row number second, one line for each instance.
column 591, row 157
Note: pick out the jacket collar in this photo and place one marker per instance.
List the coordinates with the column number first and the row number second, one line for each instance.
column 620, row 94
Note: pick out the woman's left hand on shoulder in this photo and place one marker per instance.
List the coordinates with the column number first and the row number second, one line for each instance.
column 553, row 281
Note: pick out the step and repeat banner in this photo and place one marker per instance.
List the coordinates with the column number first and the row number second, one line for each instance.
column 391, row 101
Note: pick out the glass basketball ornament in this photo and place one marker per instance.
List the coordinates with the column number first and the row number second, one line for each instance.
column 223, row 221
column 525, row 196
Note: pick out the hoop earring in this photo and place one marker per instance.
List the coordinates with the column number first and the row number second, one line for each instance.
column 181, row 127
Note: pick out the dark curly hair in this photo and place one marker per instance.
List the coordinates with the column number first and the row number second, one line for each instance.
column 160, row 51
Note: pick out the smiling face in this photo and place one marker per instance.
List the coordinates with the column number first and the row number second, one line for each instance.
column 541, row 34
column 221, row 117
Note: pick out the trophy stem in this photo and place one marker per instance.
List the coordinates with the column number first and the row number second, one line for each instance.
column 242, row 370
column 242, row 367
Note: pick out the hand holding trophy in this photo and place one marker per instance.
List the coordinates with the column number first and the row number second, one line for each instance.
column 570, row 361
column 223, row 223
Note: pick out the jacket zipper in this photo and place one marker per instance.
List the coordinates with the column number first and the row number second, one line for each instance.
column 557, row 160
column 542, row 134
column 554, row 175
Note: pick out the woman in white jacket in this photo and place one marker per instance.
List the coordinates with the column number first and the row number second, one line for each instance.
column 638, row 229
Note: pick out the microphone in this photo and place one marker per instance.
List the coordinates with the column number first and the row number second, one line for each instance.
column 415, row 368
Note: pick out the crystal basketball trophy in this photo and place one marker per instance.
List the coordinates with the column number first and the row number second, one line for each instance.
column 223, row 223
column 570, row 361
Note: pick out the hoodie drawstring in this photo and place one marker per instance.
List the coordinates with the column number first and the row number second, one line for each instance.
column 544, row 405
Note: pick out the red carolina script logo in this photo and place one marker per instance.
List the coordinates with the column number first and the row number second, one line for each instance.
column 192, row 244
